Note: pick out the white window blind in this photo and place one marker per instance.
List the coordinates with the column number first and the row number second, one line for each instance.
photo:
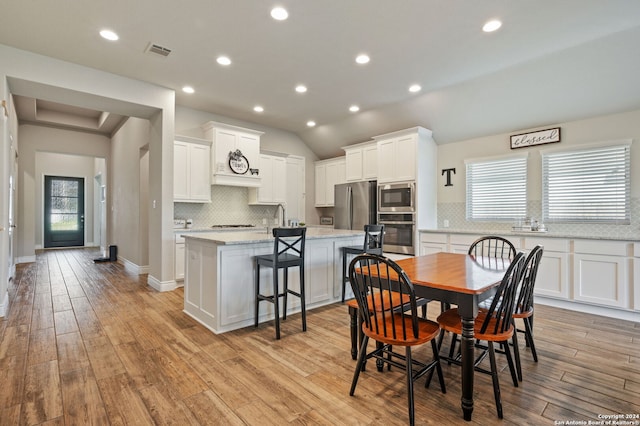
column 591, row 185
column 497, row 189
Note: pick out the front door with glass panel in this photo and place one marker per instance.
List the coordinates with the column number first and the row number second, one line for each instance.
column 63, row 211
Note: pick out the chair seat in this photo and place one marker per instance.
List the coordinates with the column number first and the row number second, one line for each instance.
column 382, row 299
column 428, row 330
column 359, row 250
column 284, row 260
column 524, row 314
column 450, row 321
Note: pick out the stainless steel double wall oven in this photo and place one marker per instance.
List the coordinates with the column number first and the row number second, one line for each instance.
column 396, row 211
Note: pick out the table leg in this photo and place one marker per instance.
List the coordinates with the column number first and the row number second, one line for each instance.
column 466, row 348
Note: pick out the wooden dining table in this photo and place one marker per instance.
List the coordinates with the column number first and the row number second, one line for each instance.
column 462, row 280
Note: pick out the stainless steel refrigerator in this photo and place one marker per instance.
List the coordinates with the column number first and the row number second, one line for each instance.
column 355, row 205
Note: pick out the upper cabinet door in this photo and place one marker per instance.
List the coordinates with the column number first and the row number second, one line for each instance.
column 200, row 158
column 191, row 169
column 353, row 159
column 181, row 171
column 370, row 162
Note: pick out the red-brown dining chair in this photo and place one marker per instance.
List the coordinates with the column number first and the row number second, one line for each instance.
column 390, row 322
column 495, row 325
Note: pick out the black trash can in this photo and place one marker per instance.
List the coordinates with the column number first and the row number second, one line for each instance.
column 113, row 253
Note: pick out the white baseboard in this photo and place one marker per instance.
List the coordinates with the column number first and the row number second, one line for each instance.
column 132, row 267
column 571, row 305
column 26, row 259
column 161, row 286
column 4, row 305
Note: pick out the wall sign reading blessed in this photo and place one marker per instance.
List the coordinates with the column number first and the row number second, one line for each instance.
column 535, row 138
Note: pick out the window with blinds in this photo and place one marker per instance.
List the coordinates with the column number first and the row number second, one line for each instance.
column 589, row 185
column 497, row 189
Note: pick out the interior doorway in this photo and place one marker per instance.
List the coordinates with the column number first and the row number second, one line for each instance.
column 63, row 211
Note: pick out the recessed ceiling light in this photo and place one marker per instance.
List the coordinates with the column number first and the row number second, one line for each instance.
column 279, row 13
column 491, row 26
column 311, row 123
column 300, row 88
column 188, row 89
column 109, row 35
column 362, row 59
column 223, row 60
column 354, row 108
column 415, row 88
column 258, row 108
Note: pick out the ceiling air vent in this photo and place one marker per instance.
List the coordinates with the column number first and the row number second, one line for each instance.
column 156, row 48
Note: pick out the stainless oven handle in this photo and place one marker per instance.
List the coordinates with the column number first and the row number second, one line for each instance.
column 384, row 222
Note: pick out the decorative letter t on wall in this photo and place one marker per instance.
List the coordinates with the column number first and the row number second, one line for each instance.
column 448, row 172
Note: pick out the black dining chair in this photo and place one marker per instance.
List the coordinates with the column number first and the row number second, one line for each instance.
column 494, row 325
column 391, row 319
column 493, row 247
column 288, row 252
column 373, row 240
column 524, row 305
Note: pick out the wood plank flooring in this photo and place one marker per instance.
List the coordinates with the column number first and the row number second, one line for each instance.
column 86, row 343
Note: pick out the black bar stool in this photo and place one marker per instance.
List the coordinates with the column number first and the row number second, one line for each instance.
column 288, row 252
column 373, row 239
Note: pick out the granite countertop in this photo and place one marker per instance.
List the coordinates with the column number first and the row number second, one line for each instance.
column 229, row 229
column 546, row 234
column 261, row 236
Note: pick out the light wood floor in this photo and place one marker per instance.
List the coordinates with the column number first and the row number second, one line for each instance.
column 87, row 343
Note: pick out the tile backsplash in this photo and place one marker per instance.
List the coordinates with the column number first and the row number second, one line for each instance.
column 455, row 213
column 229, row 206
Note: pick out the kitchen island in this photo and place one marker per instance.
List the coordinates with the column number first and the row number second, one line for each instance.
column 219, row 289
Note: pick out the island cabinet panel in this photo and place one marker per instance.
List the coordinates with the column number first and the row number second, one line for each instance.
column 601, row 272
column 220, row 273
column 337, row 260
column 200, row 298
column 318, row 272
column 553, row 272
column 237, row 284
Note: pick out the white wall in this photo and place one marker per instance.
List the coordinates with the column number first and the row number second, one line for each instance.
column 38, row 140
column 50, row 164
column 574, row 134
column 126, row 221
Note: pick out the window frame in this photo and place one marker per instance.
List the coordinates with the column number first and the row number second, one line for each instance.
column 519, row 199
column 581, row 214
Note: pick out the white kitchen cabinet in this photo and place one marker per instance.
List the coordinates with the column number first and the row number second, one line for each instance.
column 397, row 158
column 361, row 161
column 329, row 173
column 179, row 258
column 601, row 272
column 272, row 188
column 553, row 272
column 191, row 170
column 295, row 188
column 433, row 243
column 227, row 139
column 460, row 243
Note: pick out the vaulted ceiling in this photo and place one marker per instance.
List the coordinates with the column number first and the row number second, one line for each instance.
column 551, row 61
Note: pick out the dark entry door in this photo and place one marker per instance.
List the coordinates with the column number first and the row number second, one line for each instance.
column 63, row 211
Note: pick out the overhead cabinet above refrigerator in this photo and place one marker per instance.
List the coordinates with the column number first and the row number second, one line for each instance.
column 235, row 154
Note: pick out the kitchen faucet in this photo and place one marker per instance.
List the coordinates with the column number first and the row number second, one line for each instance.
column 280, row 205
